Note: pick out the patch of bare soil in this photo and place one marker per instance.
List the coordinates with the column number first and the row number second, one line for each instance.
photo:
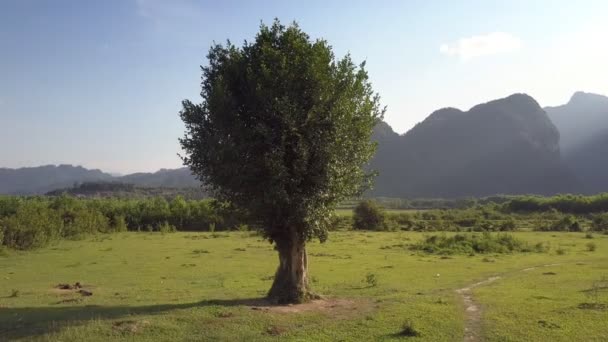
column 335, row 306
column 472, row 328
column 71, row 289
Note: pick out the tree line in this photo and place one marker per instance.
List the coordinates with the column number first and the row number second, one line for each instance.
column 31, row 222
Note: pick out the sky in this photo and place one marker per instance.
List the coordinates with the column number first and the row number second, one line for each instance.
column 100, row 83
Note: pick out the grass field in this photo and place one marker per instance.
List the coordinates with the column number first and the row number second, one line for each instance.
column 206, row 286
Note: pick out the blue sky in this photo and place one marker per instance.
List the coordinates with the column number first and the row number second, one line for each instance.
column 99, row 83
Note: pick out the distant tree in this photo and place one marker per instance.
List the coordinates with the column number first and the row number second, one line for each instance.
column 283, row 131
column 368, row 215
column 180, row 211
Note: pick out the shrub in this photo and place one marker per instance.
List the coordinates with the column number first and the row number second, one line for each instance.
column 472, row 244
column 507, row 225
column 371, row 279
column 341, row 223
column 408, row 329
column 118, row 223
column 83, row 221
column 591, row 247
column 368, row 215
column 568, row 223
column 32, row 226
column 166, row 227
column 390, row 224
column 600, row 223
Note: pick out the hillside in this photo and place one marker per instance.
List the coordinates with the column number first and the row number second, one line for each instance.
column 43, row 179
column 171, row 178
column 580, row 121
column 506, row 146
column 583, row 125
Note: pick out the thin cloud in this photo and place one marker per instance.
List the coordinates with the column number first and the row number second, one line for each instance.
column 483, row 45
column 160, row 10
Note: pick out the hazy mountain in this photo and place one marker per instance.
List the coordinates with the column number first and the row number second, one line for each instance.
column 506, row 146
column 171, row 178
column 580, row 121
column 583, row 125
column 43, row 179
column 37, row 180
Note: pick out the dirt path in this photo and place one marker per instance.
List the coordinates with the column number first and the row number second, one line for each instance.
column 473, row 311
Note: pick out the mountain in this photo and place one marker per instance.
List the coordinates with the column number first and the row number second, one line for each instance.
column 583, row 125
column 37, row 180
column 43, row 179
column 171, row 178
column 506, row 146
column 580, row 121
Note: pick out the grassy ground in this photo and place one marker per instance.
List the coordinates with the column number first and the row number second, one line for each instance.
column 198, row 286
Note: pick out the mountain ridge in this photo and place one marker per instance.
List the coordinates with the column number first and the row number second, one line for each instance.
column 505, row 146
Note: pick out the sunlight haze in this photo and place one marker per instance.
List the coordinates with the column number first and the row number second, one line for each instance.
column 99, row 83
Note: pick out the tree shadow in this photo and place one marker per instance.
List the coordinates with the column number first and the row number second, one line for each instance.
column 30, row 322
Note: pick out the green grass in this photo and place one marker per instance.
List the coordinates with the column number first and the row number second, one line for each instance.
column 193, row 286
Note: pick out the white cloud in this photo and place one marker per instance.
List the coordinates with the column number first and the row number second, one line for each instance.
column 477, row 46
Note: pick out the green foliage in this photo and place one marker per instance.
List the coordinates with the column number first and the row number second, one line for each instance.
column 32, row 226
column 35, row 221
column 472, row 244
column 371, row 280
column 600, row 223
column 369, row 216
column 283, row 130
column 573, row 204
column 567, row 223
column 408, row 329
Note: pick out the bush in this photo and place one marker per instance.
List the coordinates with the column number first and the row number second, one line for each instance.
column 408, row 329
column 83, row 221
column 568, row 223
column 368, row 215
column 472, row 244
column 591, row 247
column 32, row 226
column 600, row 223
column 341, row 223
column 118, row 223
column 166, row 227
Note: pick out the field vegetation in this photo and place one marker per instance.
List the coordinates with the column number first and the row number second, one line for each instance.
column 152, row 286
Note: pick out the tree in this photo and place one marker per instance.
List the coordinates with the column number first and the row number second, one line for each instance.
column 283, row 131
column 368, row 215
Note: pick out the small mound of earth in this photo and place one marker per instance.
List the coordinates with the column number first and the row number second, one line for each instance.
column 67, row 289
column 76, row 286
column 129, row 326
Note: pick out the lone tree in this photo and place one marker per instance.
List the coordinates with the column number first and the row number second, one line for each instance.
column 283, row 131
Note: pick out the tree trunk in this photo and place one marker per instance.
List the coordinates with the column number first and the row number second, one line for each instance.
column 291, row 281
